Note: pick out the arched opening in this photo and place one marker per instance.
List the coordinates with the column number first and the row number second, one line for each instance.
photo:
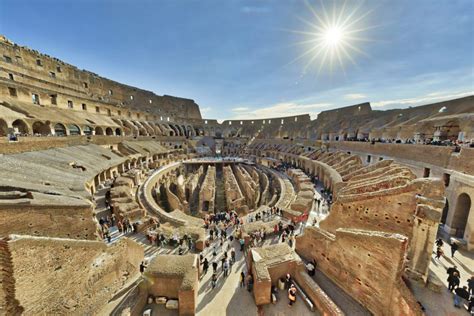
column 20, row 126
column 59, row 130
column 99, row 130
column 40, row 128
column 444, row 215
column 109, row 131
column 127, row 131
column 74, row 130
column 3, row 128
column 461, row 214
column 142, row 132
column 87, row 130
column 174, row 129
column 118, row 132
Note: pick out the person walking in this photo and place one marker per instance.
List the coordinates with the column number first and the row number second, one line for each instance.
column 439, row 242
column 288, row 281
column 242, row 244
column 439, row 253
column 225, row 267
column 292, row 295
column 214, row 266
column 454, row 248
column 470, row 285
column 232, row 256
column 214, row 280
column 142, row 267
column 460, row 294
column 205, row 266
column 450, row 271
column 453, row 281
column 242, row 279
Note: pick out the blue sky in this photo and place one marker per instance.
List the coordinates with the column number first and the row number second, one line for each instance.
column 234, row 57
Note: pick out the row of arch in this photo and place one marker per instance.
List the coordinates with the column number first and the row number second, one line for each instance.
column 126, row 128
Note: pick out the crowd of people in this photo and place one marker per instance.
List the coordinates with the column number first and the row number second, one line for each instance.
column 461, row 294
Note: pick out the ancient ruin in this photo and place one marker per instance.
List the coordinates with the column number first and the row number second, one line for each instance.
column 118, row 201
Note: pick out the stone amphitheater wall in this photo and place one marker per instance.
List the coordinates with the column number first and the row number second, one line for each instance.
column 79, row 275
column 64, row 221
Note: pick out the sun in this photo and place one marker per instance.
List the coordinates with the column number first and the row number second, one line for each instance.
column 334, row 37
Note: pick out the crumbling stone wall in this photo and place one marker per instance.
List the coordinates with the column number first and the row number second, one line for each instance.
column 9, row 305
column 366, row 264
column 235, row 200
column 208, row 190
column 31, row 217
column 79, row 275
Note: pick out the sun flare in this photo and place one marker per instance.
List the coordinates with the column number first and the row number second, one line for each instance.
column 334, row 37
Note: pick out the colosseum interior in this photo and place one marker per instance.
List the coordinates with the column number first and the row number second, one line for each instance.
column 118, row 201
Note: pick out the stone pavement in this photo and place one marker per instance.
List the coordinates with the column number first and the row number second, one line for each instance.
column 442, row 303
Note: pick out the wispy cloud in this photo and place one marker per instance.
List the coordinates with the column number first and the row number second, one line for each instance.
column 354, row 96
column 206, row 110
column 280, row 110
column 240, row 109
column 254, row 9
column 428, row 98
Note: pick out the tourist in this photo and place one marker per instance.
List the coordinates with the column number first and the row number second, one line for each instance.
column 288, row 281
column 470, row 285
column 454, row 248
column 471, row 304
column 242, row 244
column 439, row 252
column 214, row 280
column 460, row 294
column 142, row 267
column 249, row 282
column 439, row 242
column 450, row 271
column 225, row 267
column 311, row 268
column 292, row 295
column 214, row 266
column 453, row 281
column 222, row 262
column 232, row 256
column 205, row 266
column 242, row 279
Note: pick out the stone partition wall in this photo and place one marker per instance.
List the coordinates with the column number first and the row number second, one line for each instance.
column 174, row 277
column 368, row 265
column 80, row 276
column 66, row 218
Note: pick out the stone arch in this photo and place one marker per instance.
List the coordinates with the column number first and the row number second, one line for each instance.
column 130, row 129
column 175, row 130
column 40, row 128
column 179, row 130
column 99, row 130
column 74, row 129
column 3, row 128
column 461, row 214
column 87, row 130
column 21, row 127
column 150, row 130
column 142, row 131
column 109, row 131
column 118, row 131
column 60, row 130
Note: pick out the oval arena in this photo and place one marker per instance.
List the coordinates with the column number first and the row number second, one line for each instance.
column 118, row 201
